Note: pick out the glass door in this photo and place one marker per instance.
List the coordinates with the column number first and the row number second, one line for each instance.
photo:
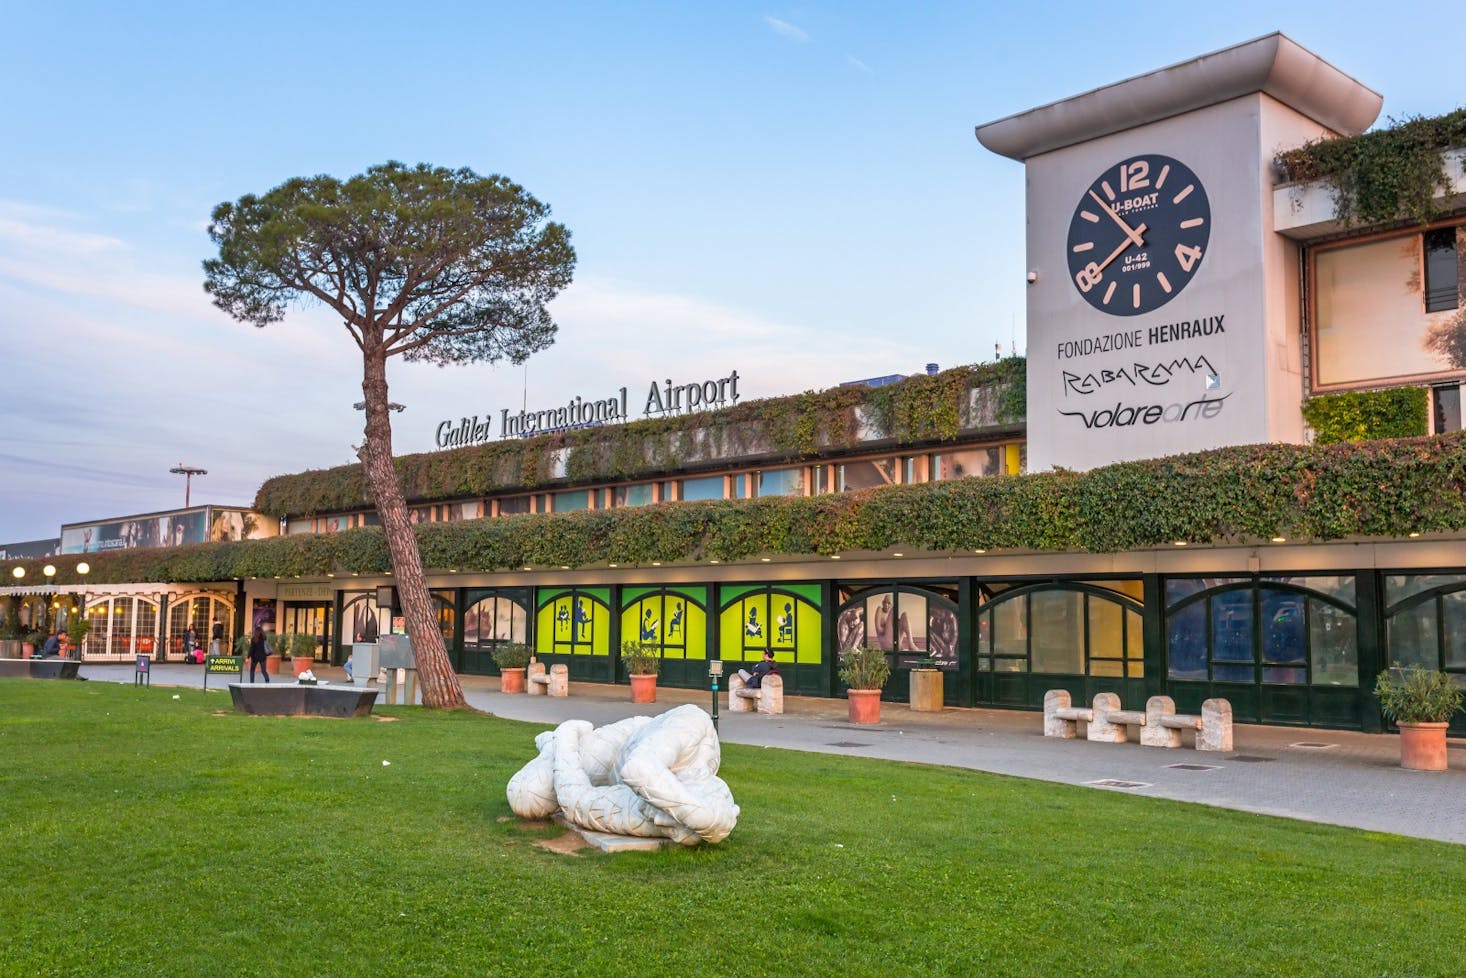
column 311, row 618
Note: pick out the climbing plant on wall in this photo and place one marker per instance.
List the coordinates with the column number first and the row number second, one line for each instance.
column 1387, row 175
column 1360, row 415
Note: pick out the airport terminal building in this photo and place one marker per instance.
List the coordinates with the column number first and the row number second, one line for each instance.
column 1137, row 507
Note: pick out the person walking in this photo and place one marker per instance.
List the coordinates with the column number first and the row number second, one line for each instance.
column 257, row 653
column 216, row 640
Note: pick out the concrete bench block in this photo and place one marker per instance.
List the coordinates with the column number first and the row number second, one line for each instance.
column 1100, row 727
column 1060, row 718
column 1216, row 726
column 767, row 697
column 1162, row 726
column 554, row 683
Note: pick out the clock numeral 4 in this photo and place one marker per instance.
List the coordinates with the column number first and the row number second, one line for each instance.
column 1089, row 276
column 1134, row 175
column 1187, row 256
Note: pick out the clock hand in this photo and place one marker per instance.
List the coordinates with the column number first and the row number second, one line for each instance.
column 1094, row 270
column 1131, row 236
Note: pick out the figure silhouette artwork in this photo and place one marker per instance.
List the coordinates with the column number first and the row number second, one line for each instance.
column 562, row 619
column 786, row 623
column 648, row 626
column 579, row 620
column 753, row 628
column 675, row 625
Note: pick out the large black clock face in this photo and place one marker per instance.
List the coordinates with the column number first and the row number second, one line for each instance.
column 1138, row 235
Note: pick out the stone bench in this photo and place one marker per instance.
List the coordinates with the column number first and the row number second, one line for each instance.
column 302, row 700
column 555, row 683
column 1061, row 719
column 38, row 668
column 1160, row 725
column 767, row 697
column 1163, row 725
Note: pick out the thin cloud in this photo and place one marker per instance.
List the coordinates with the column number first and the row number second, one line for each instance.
column 785, row 29
column 858, row 65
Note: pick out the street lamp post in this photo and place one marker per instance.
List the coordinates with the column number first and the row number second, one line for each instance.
column 188, row 472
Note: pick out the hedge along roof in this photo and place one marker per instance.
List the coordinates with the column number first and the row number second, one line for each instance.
column 1386, row 175
column 1226, row 496
column 919, row 408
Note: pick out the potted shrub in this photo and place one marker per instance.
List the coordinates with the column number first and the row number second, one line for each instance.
column 1420, row 702
column 241, row 646
column 926, row 686
column 865, row 671
column 277, row 643
column 77, row 629
column 29, row 643
column 643, row 662
column 302, row 652
column 512, row 659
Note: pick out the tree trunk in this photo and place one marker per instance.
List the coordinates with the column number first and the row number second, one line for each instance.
column 440, row 687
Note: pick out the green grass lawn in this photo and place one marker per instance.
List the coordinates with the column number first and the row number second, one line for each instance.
column 145, row 834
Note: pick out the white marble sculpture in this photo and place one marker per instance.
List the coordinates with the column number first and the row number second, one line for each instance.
column 643, row 776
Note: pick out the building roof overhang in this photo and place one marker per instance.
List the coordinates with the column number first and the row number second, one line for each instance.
column 1274, row 64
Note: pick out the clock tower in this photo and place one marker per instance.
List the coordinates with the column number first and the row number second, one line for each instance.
column 1162, row 306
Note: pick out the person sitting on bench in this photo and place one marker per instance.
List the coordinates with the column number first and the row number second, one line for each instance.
column 767, row 667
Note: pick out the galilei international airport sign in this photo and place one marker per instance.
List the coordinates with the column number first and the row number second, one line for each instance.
column 662, row 400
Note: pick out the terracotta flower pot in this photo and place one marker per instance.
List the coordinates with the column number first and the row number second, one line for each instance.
column 27, row 649
column 865, row 705
column 1423, row 746
column 272, row 664
column 643, row 687
column 298, row 663
column 511, row 680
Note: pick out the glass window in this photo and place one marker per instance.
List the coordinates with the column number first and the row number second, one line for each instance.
column 637, row 495
column 492, row 620
column 1284, row 639
column 1186, row 642
column 1445, row 408
column 781, row 482
column 710, row 487
column 1058, row 631
column 966, row 465
column 1442, row 280
column 1178, row 588
column 510, row 505
column 1107, row 647
column 865, row 475
column 565, row 502
column 1341, row 588
column 1371, row 322
column 1231, row 639
column 1412, row 637
column 1399, row 588
column 740, row 485
column 1333, row 646
column 1453, row 626
column 1010, row 626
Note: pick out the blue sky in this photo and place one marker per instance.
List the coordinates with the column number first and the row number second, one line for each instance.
column 794, row 192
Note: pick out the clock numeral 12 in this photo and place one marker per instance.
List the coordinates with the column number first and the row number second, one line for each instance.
column 1134, row 176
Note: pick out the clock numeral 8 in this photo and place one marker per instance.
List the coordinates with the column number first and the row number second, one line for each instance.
column 1089, row 276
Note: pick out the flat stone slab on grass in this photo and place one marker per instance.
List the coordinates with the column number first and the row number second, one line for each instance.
column 39, row 668
column 295, row 700
column 607, row 842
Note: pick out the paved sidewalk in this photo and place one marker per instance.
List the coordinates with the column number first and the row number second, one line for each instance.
column 1331, row 776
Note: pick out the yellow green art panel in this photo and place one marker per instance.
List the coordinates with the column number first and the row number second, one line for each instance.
column 673, row 619
column 575, row 621
column 786, row 619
